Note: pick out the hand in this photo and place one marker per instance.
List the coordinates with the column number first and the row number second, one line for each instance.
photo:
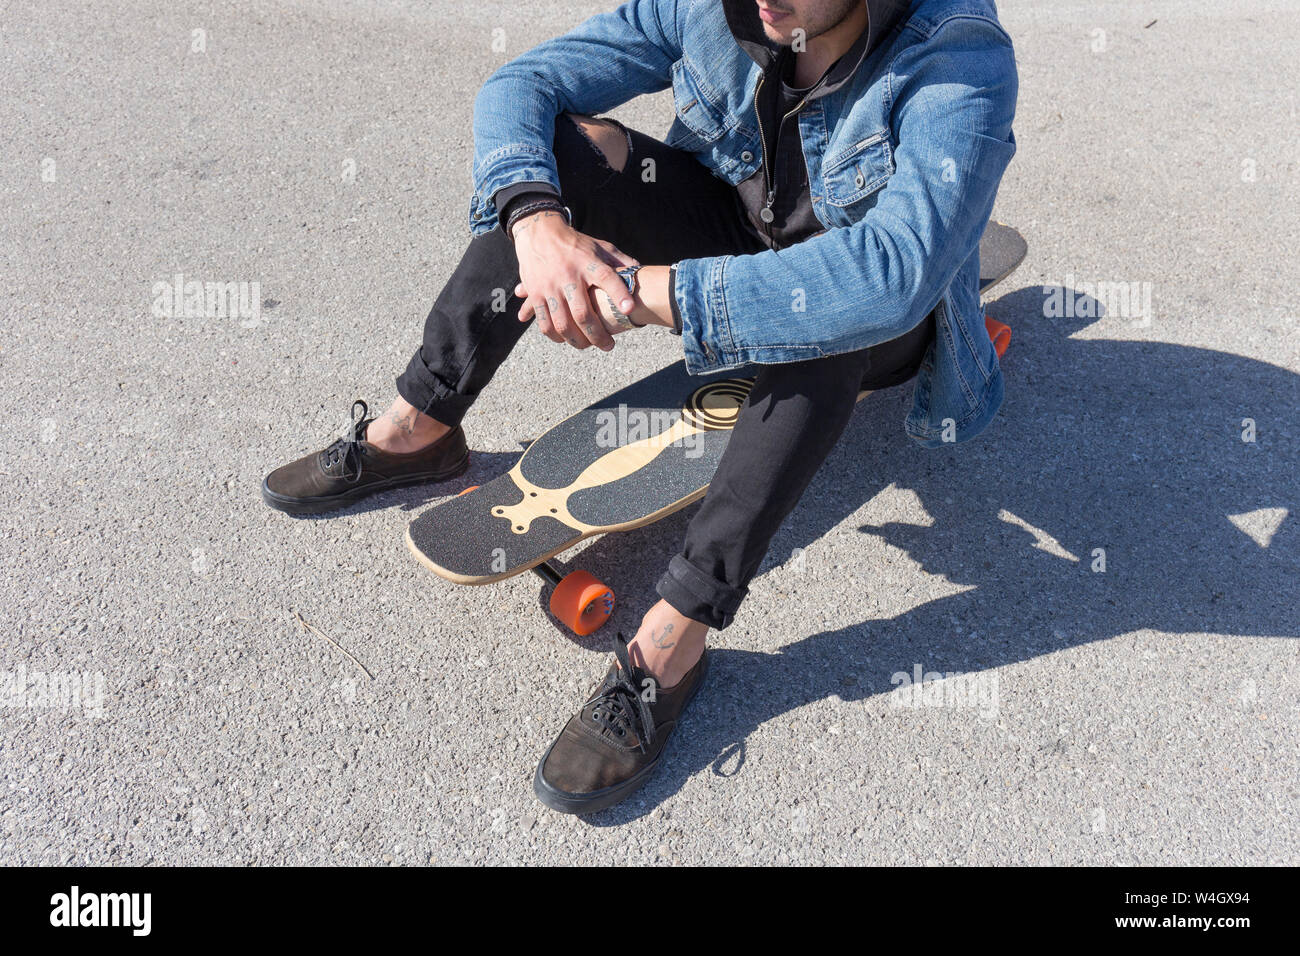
column 558, row 268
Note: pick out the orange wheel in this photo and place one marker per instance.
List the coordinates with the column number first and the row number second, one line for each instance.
column 467, row 490
column 999, row 335
column 582, row 602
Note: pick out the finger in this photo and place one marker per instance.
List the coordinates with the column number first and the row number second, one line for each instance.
column 617, row 256
column 586, row 317
column 563, row 322
column 612, row 284
column 545, row 325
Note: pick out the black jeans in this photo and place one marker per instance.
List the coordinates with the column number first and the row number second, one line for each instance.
column 795, row 411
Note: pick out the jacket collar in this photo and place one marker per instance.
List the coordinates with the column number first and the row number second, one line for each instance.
column 882, row 16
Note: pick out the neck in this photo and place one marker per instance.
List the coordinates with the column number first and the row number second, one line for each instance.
column 825, row 48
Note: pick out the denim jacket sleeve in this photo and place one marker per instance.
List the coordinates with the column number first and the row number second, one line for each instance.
column 603, row 62
column 863, row 284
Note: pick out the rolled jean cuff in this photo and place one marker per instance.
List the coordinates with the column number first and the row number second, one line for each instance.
column 423, row 390
column 699, row 596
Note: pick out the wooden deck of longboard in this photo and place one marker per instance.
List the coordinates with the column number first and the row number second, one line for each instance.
column 634, row 457
column 630, row 459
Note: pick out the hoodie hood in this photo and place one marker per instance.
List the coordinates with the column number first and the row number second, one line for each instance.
column 747, row 28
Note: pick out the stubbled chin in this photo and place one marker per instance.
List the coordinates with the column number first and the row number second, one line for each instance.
column 779, row 36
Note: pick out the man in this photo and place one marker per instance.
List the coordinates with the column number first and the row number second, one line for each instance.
column 815, row 211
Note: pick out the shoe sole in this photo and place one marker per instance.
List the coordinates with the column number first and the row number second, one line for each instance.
column 325, row 503
column 597, row 800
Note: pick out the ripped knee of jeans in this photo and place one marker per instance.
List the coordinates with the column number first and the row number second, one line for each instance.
column 608, row 137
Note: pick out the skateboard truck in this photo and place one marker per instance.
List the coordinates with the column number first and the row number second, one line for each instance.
column 578, row 599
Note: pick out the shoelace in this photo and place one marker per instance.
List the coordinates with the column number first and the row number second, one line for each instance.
column 618, row 705
column 347, row 449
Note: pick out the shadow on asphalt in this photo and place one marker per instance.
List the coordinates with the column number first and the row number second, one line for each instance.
column 1128, row 446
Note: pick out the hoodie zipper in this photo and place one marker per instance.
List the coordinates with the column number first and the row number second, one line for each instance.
column 766, row 213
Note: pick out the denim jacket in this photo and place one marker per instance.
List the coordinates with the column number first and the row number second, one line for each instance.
column 904, row 161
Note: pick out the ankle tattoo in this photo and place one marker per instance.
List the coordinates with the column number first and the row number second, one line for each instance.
column 403, row 423
column 660, row 640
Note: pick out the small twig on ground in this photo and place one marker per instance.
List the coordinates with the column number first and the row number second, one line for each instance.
column 319, row 633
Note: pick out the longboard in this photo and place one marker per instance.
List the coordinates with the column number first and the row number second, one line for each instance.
column 629, row 459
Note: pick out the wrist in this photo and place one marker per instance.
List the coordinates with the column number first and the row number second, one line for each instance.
column 654, row 306
column 541, row 216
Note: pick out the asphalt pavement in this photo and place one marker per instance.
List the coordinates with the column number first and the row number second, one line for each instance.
column 1100, row 595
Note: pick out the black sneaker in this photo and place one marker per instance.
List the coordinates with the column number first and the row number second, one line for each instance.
column 613, row 744
column 351, row 469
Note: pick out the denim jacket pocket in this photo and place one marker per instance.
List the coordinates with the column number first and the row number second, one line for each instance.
column 699, row 120
column 859, row 171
